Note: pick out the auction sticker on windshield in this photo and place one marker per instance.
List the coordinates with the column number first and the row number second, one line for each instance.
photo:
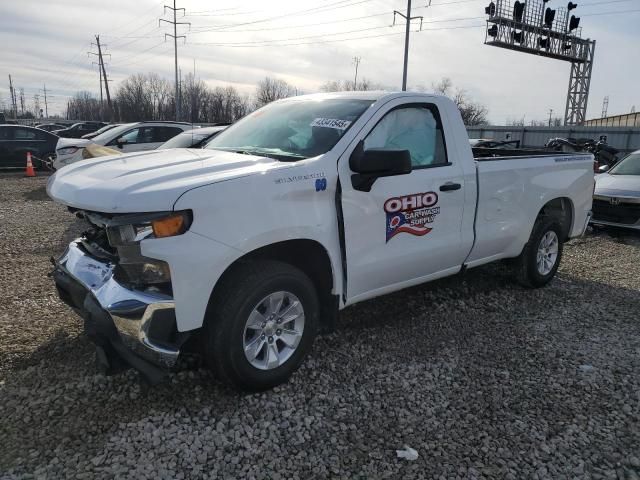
column 331, row 123
column 411, row 214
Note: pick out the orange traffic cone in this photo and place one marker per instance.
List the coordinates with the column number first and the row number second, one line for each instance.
column 30, row 171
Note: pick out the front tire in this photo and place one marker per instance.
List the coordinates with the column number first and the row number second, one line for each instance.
column 261, row 324
column 539, row 261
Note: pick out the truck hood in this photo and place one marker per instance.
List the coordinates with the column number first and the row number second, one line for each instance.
column 148, row 181
column 618, row 185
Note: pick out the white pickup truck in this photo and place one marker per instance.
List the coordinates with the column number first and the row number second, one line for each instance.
column 243, row 251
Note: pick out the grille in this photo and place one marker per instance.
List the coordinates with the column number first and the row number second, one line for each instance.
column 625, row 213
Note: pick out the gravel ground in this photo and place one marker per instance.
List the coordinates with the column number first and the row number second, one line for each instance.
column 482, row 378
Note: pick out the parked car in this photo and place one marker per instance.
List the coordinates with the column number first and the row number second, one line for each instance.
column 243, row 250
column 101, row 130
column 17, row 140
column 50, row 127
column 77, row 130
column 129, row 137
column 616, row 199
column 196, row 138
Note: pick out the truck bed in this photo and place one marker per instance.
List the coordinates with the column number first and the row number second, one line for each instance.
column 484, row 153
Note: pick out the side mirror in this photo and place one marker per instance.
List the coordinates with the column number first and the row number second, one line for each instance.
column 373, row 163
column 120, row 142
column 603, row 168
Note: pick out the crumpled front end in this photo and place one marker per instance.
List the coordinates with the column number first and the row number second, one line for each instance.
column 128, row 311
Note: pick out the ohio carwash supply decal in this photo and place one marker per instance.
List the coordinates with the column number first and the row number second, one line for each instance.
column 331, row 123
column 411, row 214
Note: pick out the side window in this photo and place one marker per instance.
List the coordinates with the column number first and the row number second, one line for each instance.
column 6, row 134
column 415, row 128
column 24, row 134
column 131, row 136
column 162, row 134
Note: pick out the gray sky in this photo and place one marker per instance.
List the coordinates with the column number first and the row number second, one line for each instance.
column 308, row 42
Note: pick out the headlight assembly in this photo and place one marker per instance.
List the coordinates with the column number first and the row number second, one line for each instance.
column 131, row 229
column 67, row 150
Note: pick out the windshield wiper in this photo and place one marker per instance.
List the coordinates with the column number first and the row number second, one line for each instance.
column 276, row 154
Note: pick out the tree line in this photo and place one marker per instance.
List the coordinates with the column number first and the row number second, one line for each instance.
column 151, row 97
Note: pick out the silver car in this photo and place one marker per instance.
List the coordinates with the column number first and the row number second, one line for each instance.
column 616, row 199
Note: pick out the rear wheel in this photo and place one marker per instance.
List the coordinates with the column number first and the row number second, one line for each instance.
column 539, row 261
column 261, row 325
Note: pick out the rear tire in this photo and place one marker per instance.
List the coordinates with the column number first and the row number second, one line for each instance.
column 251, row 338
column 539, row 261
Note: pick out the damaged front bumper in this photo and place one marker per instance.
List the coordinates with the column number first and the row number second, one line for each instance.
column 138, row 327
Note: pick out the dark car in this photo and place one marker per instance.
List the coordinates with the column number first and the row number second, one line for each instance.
column 77, row 130
column 101, row 130
column 196, row 138
column 50, row 127
column 17, row 140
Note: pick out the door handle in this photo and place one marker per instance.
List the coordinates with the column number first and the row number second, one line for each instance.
column 450, row 186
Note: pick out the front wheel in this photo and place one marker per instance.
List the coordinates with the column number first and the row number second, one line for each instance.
column 539, row 261
column 261, row 324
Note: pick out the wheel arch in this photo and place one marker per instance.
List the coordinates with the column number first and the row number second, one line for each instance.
column 311, row 257
column 563, row 210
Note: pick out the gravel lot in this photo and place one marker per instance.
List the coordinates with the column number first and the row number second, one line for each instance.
column 482, row 378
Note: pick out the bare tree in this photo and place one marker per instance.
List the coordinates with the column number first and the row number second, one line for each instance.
column 347, row 86
column 83, row 106
column 473, row 113
column 225, row 105
column 272, row 89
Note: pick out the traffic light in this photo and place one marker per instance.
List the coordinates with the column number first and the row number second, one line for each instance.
column 571, row 6
column 517, row 36
column 573, row 23
column 543, row 42
column 549, row 16
column 490, row 9
column 518, row 10
column 493, row 31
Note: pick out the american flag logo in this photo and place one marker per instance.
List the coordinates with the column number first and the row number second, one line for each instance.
column 397, row 223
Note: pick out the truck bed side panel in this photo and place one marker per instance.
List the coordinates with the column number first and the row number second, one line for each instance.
column 513, row 191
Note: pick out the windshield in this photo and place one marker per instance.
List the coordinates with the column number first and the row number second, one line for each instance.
column 293, row 129
column 629, row 165
column 184, row 140
column 104, row 129
column 112, row 133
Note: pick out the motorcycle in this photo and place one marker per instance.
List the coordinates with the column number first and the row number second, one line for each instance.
column 604, row 154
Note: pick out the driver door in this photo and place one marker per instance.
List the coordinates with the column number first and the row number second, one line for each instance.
column 408, row 228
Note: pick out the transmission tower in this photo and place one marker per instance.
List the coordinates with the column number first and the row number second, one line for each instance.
column 175, row 37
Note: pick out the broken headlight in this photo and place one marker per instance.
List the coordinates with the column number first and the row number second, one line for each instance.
column 125, row 234
column 131, row 229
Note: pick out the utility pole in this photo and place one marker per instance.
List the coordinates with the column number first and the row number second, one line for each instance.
column 14, row 104
column 605, row 106
column 46, row 106
column 175, row 37
column 408, row 19
column 356, row 61
column 102, row 76
column 550, row 113
column 22, row 101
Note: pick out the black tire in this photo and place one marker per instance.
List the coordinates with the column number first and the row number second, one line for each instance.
column 525, row 266
column 229, row 310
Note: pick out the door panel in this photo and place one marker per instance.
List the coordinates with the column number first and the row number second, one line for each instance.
column 406, row 227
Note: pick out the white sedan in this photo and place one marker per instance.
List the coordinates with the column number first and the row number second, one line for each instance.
column 129, row 137
column 616, row 199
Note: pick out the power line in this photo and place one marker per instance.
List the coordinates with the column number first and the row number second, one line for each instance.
column 246, row 44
